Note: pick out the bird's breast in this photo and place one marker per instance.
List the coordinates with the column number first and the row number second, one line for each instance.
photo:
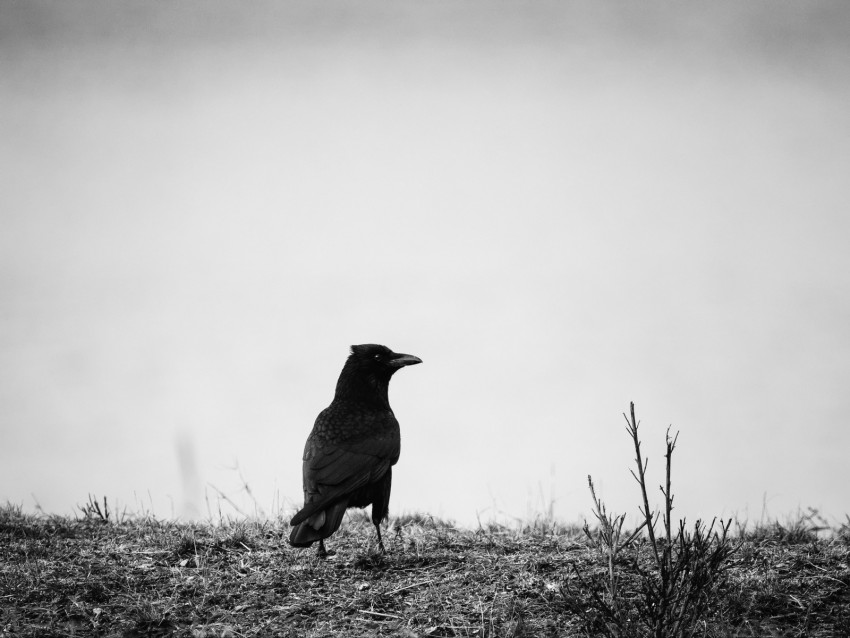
column 346, row 420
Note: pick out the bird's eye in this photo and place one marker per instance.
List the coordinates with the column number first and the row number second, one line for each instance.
column 377, row 357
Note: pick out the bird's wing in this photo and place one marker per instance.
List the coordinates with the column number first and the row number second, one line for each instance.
column 333, row 470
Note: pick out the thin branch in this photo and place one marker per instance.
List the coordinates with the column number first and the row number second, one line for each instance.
column 632, row 427
column 668, row 497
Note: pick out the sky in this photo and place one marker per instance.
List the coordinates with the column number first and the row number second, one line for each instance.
column 561, row 207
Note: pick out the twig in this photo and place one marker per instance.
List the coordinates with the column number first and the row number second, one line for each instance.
column 632, row 428
column 228, row 499
column 668, row 496
column 377, row 613
column 411, row 586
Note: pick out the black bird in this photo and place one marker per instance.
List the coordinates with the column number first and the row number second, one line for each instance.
column 355, row 441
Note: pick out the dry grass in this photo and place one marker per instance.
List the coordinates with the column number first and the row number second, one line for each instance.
column 145, row 577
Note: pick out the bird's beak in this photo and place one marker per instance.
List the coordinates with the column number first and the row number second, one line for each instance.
column 401, row 360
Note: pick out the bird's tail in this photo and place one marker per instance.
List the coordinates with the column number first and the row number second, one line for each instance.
column 318, row 526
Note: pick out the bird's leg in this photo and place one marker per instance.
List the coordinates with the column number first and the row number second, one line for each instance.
column 322, row 552
column 380, row 540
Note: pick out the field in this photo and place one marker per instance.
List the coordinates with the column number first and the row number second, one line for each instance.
column 92, row 575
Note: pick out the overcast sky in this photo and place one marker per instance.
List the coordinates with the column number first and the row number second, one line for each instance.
column 560, row 207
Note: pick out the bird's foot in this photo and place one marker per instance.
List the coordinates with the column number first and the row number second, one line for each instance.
column 322, row 552
column 381, row 548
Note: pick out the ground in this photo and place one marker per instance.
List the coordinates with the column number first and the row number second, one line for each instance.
column 146, row 577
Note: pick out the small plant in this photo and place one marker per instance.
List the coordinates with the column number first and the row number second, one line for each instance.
column 843, row 532
column 677, row 583
column 801, row 528
column 606, row 539
column 92, row 511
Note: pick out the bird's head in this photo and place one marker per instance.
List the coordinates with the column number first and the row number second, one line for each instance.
column 371, row 356
column 369, row 368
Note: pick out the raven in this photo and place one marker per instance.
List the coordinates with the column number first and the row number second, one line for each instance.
column 349, row 455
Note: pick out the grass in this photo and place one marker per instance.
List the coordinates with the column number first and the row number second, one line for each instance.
column 145, row 577
column 113, row 574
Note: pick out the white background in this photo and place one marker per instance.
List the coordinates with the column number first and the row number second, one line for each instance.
column 559, row 207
